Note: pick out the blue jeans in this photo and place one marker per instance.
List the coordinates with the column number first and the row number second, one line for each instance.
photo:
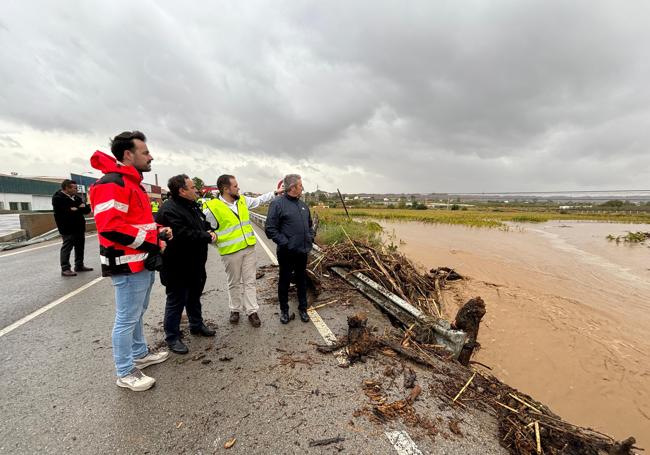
column 132, row 293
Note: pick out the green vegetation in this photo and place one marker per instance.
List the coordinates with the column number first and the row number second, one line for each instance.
column 331, row 230
column 490, row 218
column 630, row 237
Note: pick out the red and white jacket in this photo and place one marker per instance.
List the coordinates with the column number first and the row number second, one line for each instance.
column 125, row 224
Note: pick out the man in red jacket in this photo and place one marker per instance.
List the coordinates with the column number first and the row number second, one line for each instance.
column 127, row 236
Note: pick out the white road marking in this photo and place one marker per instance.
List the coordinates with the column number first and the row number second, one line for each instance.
column 323, row 330
column 47, row 307
column 37, row 248
column 328, row 336
column 272, row 257
column 403, row 443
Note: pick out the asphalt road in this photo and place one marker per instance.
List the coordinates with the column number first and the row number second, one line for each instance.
column 58, row 391
column 31, row 277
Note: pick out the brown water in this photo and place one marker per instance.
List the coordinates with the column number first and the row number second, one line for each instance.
column 568, row 318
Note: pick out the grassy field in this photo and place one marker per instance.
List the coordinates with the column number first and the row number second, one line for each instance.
column 495, row 218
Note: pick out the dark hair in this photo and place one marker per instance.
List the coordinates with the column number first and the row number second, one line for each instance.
column 224, row 181
column 66, row 183
column 124, row 141
column 176, row 183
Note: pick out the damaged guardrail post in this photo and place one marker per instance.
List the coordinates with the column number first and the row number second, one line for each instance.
column 426, row 329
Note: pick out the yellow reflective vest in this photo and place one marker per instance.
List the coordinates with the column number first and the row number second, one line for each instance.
column 154, row 207
column 235, row 233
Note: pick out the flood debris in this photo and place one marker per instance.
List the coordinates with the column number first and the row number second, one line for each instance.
column 409, row 297
column 391, row 269
column 454, row 427
column 527, row 426
column 290, row 359
column 325, row 442
column 409, row 378
column 382, row 411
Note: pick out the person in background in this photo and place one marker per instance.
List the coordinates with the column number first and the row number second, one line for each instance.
column 128, row 236
column 290, row 226
column 183, row 273
column 69, row 211
column 228, row 215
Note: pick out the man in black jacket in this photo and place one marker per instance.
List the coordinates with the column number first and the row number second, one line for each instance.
column 183, row 272
column 69, row 211
column 290, row 226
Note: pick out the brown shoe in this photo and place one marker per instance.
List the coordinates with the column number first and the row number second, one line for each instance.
column 68, row 273
column 234, row 317
column 254, row 320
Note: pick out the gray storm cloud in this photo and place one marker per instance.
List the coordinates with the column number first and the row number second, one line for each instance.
column 429, row 96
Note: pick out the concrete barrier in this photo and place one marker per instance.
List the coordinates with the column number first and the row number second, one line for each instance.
column 35, row 224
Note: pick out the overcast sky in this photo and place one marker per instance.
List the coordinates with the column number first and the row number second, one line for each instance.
column 374, row 96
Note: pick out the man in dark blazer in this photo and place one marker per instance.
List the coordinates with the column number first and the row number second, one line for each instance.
column 69, row 211
column 183, row 273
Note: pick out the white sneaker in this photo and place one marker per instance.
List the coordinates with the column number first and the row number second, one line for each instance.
column 151, row 359
column 136, row 380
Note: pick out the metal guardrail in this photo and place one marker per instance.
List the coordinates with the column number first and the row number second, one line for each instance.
column 438, row 331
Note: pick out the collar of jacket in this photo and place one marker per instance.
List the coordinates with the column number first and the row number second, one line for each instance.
column 181, row 200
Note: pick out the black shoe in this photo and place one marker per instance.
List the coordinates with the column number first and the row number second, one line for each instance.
column 203, row 331
column 234, row 317
column 178, row 347
column 285, row 317
column 68, row 273
column 304, row 317
column 254, row 320
column 83, row 268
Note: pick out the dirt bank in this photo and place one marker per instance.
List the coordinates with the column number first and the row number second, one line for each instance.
column 568, row 313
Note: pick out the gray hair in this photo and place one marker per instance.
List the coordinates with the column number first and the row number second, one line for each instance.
column 290, row 180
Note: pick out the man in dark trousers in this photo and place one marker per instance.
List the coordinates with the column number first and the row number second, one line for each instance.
column 183, row 272
column 290, row 226
column 69, row 211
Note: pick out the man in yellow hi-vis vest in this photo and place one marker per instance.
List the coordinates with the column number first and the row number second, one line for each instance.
column 154, row 206
column 229, row 216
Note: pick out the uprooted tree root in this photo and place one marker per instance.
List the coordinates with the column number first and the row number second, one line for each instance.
column 525, row 425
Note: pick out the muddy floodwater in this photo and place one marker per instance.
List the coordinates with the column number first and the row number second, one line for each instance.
column 568, row 316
